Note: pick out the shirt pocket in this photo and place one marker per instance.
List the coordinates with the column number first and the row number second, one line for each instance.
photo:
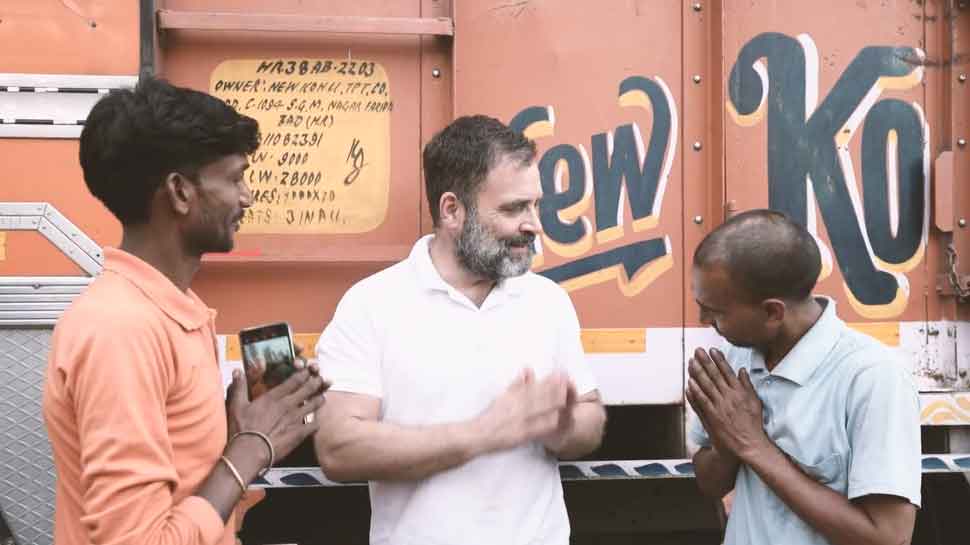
column 828, row 470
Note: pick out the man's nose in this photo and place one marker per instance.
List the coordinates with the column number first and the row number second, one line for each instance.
column 246, row 198
column 532, row 224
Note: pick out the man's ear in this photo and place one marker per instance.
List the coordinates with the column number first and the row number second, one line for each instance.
column 451, row 211
column 775, row 310
column 180, row 193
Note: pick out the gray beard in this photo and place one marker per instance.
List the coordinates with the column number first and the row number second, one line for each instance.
column 482, row 254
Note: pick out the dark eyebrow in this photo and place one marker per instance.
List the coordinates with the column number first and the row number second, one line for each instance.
column 516, row 204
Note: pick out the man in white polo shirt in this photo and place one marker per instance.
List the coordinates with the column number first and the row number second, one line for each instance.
column 458, row 375
column 813, row 425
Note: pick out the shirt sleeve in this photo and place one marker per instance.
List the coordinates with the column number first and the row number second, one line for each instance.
column 884, row 433
column 696, row 434
column 348, row 351
column 119, row 386
column 570, row 354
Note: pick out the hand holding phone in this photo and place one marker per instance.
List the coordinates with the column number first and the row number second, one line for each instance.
column 268, row 356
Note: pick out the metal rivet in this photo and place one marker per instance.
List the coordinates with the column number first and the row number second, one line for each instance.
column 962, row 78
column 698, row 219
column 697, row 6
column 961, row 142
column 697, row 78
column 435, row 73
column 698, row 146
column 962, row 222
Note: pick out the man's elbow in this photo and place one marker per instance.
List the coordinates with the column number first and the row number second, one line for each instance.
column 335, row 468
column 335, row 459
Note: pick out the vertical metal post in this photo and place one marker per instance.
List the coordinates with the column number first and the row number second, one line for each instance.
column 147, row 39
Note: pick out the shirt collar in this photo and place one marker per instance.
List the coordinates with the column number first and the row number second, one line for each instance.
column 430, row 279
column 184, row 307
column 420, row 258
column 813, row 349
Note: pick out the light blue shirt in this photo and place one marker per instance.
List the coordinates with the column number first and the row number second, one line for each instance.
column 844, row 408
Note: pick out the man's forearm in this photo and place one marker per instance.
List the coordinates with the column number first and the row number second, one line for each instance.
column 828, row 512
column 587, row 432
column 716, row 471
column 367, row 450
column 221, row 488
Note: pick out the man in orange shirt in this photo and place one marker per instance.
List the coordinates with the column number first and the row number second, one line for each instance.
column 133, row 396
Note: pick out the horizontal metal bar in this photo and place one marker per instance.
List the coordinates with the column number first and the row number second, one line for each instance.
column 46, row 108
column 52, row 90
column 24, row 292
column 21, row 315
column 22, row 208
column 28, row 322
column 41, row 120
column 279, row 22
column 51, row 105
column 38, row 282
column 33, row 306
column 73, row 82
column 40, row 131
column 297, row 477
column 7, row 298
column 20, row 223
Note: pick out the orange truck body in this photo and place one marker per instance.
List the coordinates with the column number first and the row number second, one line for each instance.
column 654, row 121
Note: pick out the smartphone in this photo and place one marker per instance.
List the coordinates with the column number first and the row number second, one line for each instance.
column 268, row 356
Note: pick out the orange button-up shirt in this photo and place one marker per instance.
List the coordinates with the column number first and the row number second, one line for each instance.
column 134, row 410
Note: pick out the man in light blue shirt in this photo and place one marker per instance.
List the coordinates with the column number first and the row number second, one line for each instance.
column 813, row 425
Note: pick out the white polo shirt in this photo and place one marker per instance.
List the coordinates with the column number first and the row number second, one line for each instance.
column 843, row 407
column 407, row 337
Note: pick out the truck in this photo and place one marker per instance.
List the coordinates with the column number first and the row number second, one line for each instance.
column 655, row 121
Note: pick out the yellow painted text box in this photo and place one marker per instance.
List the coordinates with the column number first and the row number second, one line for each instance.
column 307, row 341
column 612, row 341
column 323, row 166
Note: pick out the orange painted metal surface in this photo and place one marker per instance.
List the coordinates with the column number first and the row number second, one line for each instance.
column 300, row 278
column 654, row 121
column 199, row 20
column 69, row 37
column 73, row 37
column 617, row 89
column 954, row 39
column 802, row 101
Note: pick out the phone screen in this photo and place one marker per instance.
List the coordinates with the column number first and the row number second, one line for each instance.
column 268, row 356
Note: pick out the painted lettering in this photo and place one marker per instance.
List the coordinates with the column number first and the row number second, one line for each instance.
column 620, row 160
column 874, row 238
